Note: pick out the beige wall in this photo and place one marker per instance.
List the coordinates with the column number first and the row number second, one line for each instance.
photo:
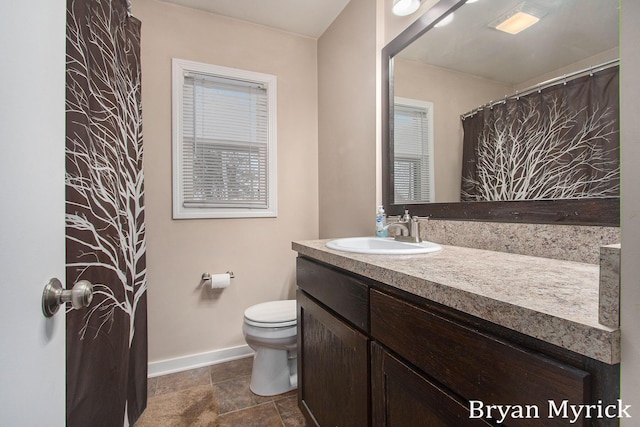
column 630, row 274
column 347, row 122
column 600, row 58
column 185, row 319
column 349, row 99
column 452, row 94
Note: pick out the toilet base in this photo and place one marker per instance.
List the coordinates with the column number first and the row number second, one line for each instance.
column 274, row 372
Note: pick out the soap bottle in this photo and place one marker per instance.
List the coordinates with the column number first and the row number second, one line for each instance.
column 381, row 223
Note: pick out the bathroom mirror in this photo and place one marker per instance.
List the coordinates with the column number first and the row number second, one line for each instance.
column 453, row 70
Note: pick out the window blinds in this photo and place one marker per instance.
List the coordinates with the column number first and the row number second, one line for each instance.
column 224, row 143
column 412, row 156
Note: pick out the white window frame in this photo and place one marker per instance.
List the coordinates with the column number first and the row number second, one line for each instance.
column 181, row 67
column 427, row 107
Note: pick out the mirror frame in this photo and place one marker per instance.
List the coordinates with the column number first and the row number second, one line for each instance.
column 601, row 212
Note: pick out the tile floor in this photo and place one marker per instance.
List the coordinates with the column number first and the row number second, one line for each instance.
column 236, row 404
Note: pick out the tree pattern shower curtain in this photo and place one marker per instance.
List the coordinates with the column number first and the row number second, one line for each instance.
column 561, row 142
column 105, row 230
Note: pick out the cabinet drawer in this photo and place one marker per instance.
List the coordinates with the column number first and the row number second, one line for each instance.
column 345, row 295
column 474, row 365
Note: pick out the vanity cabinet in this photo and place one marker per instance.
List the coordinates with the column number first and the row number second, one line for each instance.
column 370, row 354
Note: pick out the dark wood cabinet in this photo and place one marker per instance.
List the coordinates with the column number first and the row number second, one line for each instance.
column 333, row 368
column 402, row 397
column 476, row 365
column 345, row 295
column 371, row 355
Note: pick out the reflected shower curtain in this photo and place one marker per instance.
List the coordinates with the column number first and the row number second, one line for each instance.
column 561, row 142
column 105, row 242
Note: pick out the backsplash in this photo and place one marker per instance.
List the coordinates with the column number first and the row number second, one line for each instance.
column 609, row 292
column 566, row 242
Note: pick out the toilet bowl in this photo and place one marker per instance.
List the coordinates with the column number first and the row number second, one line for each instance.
column 270, row 329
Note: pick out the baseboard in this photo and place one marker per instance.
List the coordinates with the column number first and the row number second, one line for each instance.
column 192, row 361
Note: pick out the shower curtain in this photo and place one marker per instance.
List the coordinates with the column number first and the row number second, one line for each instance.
column 105, row 230
column 561, row 142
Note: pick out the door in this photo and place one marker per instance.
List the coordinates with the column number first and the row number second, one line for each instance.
column 32, row 135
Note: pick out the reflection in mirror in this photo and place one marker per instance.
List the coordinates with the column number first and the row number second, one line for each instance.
column 479, row 82
column 413, row 151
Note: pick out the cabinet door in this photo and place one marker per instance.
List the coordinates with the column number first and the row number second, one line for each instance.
column 333, row 368
column 400, row 397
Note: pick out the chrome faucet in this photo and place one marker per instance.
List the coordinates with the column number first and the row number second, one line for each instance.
column 408, row 226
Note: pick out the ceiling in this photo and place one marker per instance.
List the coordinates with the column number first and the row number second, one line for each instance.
column 306, row 17
column 571, row 31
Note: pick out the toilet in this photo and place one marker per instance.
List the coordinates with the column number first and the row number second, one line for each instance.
column 270, row 329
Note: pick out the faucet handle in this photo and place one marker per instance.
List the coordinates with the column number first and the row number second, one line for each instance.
column 415, row 229
column 406, row 217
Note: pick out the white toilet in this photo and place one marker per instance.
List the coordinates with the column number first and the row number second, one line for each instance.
column 270, row 330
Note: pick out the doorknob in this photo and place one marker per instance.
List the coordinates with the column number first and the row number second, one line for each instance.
column 54, row 295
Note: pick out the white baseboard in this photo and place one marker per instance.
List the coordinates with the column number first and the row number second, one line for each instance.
column 192, row 361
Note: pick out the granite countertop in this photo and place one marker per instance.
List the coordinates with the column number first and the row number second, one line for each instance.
column 553, row 300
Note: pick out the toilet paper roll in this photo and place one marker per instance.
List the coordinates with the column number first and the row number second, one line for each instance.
column 220, row 281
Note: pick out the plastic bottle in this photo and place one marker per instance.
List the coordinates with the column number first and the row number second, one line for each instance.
column 381, row 223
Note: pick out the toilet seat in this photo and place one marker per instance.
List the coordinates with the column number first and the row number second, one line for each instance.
column 273, row 314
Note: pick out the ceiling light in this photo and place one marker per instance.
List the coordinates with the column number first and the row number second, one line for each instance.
column 518, row 19
column 446, row 20
column 405, row 7
column 517, row 23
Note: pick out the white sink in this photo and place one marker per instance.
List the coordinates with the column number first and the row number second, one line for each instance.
column 381, row 246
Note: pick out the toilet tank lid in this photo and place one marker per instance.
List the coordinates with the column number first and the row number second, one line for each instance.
column 272, row 311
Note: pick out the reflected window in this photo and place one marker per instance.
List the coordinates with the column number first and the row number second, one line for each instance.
column 413, row 151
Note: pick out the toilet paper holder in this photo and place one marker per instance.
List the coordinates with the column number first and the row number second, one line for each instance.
column 207, row 276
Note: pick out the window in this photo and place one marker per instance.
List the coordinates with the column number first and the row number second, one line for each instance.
column 413, row 151
column 224, row 142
